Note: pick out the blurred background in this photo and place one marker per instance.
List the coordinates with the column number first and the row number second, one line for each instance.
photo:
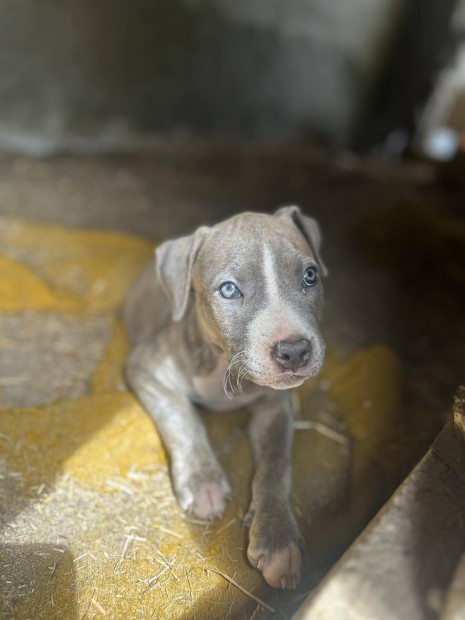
column 123, row 124
column 374, row 76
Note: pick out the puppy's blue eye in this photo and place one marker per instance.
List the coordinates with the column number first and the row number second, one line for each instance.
column 229, row 290
column 310, row 276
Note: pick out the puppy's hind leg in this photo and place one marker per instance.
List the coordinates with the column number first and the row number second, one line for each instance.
column 198, row 479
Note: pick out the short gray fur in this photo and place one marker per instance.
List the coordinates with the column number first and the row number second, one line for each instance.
column 193, row 347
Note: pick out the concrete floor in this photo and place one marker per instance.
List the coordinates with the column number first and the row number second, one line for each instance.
column 395, row 331
column 409, row 562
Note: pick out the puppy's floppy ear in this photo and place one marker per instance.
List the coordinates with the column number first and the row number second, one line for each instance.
column 309, row 229
column 174, row 262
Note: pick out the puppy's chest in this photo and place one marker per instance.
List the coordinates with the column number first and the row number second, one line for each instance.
column 210, row 390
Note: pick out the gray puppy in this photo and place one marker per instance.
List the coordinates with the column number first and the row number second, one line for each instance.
column 231, row 319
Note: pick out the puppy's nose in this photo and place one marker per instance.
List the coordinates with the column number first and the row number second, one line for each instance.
column 292, row 355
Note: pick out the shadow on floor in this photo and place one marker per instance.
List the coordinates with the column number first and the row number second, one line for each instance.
column 38, row 581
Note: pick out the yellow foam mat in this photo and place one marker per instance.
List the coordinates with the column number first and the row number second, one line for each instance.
column 95, row 529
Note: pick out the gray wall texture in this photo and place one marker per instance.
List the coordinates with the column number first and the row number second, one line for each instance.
column 90, row 74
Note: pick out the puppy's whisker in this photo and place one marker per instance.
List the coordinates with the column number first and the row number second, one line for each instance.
column 227, row 382
column 243, row 372
column 238, row 375
column 246, row 372
column 242, row 377
column 240, row 372
column 243, row 361
column 230, row 382
column 235, row 357
column 226, row 378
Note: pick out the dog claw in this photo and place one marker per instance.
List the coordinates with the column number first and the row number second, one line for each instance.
column 206, row 500
column 281, row 568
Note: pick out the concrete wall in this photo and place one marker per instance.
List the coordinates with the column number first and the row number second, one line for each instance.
column 425, row 42
column 90, row 74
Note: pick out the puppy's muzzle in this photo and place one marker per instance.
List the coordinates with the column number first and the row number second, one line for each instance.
column 289, row 355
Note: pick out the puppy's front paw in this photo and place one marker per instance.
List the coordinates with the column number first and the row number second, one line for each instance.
column 273, row 548
column 204, row 494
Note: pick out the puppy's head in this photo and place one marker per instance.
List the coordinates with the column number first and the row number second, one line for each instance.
column 257, row 285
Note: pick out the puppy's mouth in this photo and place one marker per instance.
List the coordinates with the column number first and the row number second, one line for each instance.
column 246, row 370
column 288, row 381
column 285, row 380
